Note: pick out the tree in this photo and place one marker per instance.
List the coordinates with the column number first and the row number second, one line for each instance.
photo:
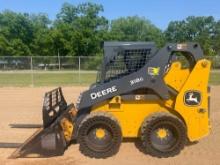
column 198, row 29
column 68, row 13
column 81, row 28
column 176, row 31
column 3, row 45
column 42, row 41
column 17, row 31
column 216, row 38
column 135, row 29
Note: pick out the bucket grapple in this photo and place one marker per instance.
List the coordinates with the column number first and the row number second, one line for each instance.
column 155, row 95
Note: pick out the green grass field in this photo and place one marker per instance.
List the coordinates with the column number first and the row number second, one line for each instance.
column 52, row 78
column 214, row 78
column 61, row 78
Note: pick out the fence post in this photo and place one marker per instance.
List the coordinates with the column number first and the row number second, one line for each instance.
column 59, row 58
column 32, row 73
column 79, row 72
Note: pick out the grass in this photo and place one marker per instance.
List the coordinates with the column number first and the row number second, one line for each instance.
column 61, row 78
column 46, row 78
column 214, row 78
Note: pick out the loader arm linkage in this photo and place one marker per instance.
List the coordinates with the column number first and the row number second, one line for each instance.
column 149, row 76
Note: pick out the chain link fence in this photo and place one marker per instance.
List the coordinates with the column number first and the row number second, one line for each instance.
column 60, row 70
column 47, row 71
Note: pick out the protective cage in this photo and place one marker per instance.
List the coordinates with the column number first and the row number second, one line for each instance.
column 125, row 59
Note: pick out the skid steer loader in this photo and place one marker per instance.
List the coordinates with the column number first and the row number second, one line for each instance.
column 160, row 96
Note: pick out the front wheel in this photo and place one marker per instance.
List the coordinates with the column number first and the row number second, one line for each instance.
column 99, row 135
column 163, row 135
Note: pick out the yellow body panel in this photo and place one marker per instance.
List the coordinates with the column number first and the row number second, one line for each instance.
column 196, row 117
column 131, row 114
column 176, row 76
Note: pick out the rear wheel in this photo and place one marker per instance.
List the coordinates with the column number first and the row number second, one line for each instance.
column 163, row 135
column 99, row 135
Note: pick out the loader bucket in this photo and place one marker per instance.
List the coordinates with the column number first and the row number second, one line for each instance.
column 53, row 138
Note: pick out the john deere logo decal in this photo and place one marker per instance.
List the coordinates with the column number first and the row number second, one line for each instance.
column 192, row 98
column 153, row 71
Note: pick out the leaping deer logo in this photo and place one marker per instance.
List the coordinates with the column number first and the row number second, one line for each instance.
column 192, row 99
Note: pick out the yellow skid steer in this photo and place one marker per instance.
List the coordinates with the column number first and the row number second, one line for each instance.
column 160, row 96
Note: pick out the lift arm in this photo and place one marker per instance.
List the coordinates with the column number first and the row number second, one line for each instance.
column 150, row 76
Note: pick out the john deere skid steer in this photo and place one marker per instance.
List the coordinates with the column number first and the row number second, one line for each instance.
column 159, row 96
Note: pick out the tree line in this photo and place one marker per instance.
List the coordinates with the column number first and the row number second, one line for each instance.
column 79, row 30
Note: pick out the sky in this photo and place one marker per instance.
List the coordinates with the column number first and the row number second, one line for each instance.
column 159, row 12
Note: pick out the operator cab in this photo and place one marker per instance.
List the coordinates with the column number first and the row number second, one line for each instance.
column 123, row 58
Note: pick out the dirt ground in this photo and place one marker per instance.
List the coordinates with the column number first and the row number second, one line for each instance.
column 23, row 105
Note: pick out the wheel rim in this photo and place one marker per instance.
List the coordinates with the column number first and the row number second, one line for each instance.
column 164, row 137
column 99, row 137
column 100, row 133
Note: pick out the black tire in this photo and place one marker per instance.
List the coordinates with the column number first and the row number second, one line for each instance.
column 93, row 146
column 166, row 143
